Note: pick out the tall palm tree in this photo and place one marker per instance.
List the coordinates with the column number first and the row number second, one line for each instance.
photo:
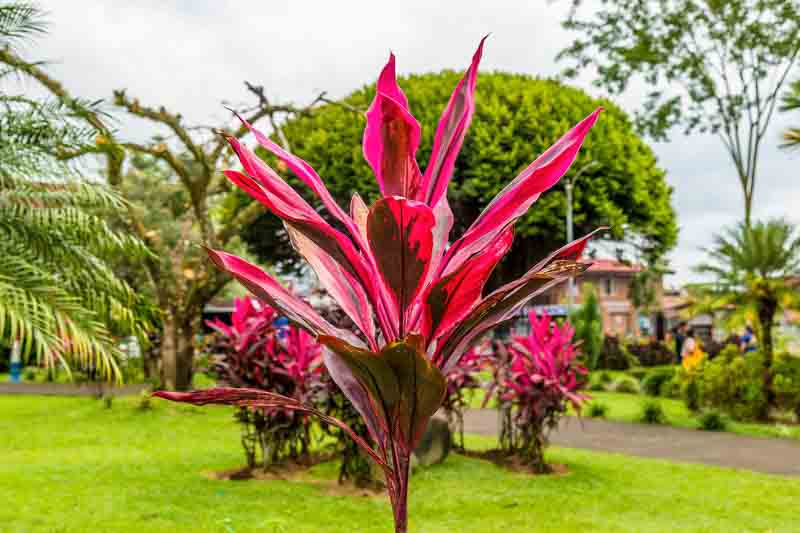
column 752, row 269
column 791, row 102
column 59, row 295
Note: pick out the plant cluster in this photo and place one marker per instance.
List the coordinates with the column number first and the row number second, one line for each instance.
column 255, row 353
column 462, row 381
column 731, row 382
column 652, row 353
column 654, row 381
column 416, row 300
column 542, row 379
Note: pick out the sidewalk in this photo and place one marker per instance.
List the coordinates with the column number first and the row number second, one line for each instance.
column 67, row 389
column 768, row 455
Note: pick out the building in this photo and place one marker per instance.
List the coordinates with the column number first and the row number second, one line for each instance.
column 612, row 281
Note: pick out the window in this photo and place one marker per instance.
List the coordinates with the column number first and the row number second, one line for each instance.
column 608, row 286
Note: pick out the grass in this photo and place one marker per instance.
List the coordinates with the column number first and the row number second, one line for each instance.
column 70, row 465
column 628, row 408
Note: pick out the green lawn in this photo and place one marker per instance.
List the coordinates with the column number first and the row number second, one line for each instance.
column 69, row 464
column 627, row 407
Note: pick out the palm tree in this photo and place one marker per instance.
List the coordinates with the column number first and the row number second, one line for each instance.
column 752, row 269
column 791, row 102
column 59, row 295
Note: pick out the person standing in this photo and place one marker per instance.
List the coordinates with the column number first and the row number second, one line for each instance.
column 747, row 343
column 680, row 338
column 689, row 344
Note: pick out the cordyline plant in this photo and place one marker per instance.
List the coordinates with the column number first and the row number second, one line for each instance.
column 285, row 360
column 544, row 377
column 417, row 303
column 463, row 378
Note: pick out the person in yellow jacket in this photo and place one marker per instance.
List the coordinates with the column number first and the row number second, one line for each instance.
column 691, row 354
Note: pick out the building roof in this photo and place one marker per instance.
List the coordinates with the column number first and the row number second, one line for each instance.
column 611, row 266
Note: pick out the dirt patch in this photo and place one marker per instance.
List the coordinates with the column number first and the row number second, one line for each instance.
column 515, row 463
column 298, row 472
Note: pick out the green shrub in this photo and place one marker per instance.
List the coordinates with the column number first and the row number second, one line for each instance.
column 29, row 374
column 615, row 356
column 671, row 388
column 626, row 385
column 652, row 413
column 652, row 353
column 713, row 420
column 786, row 382
column 588, row 324
column 730, row 382
column 596, row 410
column 691, row 394
column 145, row 402
column 596, row 386
column 653, row 381
column 605, row 378
column 638, row 372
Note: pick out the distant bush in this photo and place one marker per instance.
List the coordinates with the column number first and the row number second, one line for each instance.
column 671, row 388
column 652, row 413
column 588, row 323
column 615, row 356
column 626, row 385
column 731, row 382
column 652, row 353
column 786, row 382
column 713, row 420
column 655, row 379
column 596, row 386
column 605, row 378
column 638, row 372
column 596, row 410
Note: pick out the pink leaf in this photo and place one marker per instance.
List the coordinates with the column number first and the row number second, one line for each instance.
column 452, row 297
column 450, row 134
column 339, row 283
column 390, row 146
column 263, row 286
column 264, row 399
column 517, row 197
column 400, row 234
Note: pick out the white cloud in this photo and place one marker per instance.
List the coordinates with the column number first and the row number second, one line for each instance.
column 190, row 55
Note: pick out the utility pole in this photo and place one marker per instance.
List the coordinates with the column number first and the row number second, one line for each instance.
column 569, row 183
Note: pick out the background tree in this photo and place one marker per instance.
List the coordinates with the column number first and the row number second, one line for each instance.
column 517, row 118
column 791, row 102
column 58, row 293
column 588, row 324
column 712, row 66
column 182, row 279
column 752, row 269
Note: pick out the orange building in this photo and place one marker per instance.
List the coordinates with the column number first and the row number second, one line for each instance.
column 612, row 282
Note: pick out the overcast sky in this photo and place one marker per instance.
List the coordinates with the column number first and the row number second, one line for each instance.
column 190, row 55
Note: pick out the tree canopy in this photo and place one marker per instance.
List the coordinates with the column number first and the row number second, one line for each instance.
column 712, row 66
column 59, row 294
column 517, row 117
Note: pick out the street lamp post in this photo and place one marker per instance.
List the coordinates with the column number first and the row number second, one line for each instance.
column 569, row 183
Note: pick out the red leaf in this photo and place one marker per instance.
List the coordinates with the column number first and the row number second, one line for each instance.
column 400, row 234
column 451, row 298
column 264, row 399
column 450, row 134
column 263, row 286
column 404, row 388
column 517, row 197
column 390, row 143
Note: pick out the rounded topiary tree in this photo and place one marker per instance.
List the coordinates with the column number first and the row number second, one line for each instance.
column 517, row 118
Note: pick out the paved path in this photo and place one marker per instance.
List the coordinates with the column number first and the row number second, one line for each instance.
column 770, row 455
column 67, row 389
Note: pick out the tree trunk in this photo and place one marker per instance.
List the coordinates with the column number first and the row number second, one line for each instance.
column 177, row 352
column 169, row 352
column 766, row 317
